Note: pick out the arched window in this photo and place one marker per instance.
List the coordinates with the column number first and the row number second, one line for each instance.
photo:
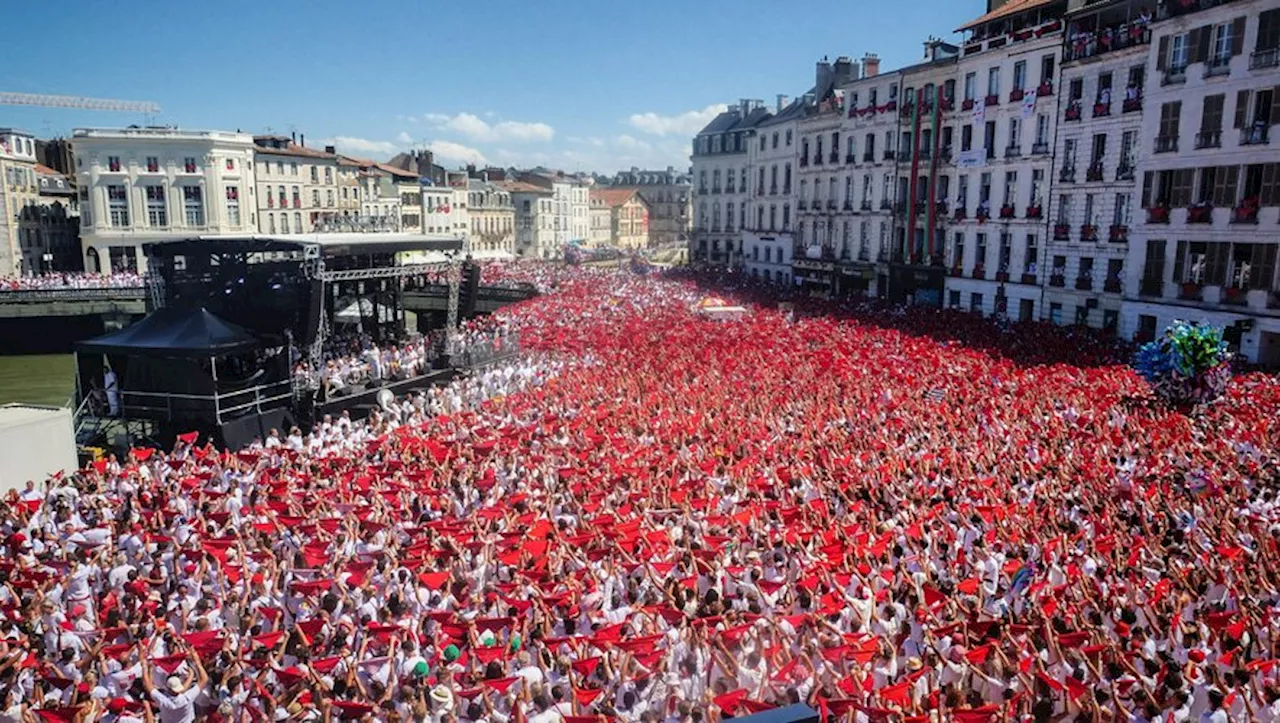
column 92, row 262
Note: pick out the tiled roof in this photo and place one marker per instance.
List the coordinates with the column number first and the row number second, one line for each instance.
column 293, row 149
column 522, row 187
column 393, row 170
column 613, row 196
column 46, row 171
column 1012, row 7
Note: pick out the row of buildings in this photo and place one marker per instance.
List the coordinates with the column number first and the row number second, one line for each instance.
column 106, row 192
column 1098, row 162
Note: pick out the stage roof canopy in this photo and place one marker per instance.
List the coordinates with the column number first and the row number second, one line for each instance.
column 325, row 244
column 174, row 332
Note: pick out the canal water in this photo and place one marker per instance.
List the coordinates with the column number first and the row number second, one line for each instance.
column 37, row 378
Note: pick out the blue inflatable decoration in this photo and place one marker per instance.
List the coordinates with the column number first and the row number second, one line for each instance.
column 1189, row 365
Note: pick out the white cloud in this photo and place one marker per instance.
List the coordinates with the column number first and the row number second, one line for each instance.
column 448, row 152
column 404, row 139
column 476, row 128
column 362, row 146
column 684, row 124
column 631, row 143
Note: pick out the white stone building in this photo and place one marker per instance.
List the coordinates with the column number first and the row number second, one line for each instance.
column 1099, row 124
column 493, row 217
column 720, row 178
column 772, row 161
column 438, row 204
column 536, row 217
column 20, row 191
column 600, row 233
column 1006, row 74
column 297, row 187
column 1205, row 247
column 139, row 185
column 870, row 134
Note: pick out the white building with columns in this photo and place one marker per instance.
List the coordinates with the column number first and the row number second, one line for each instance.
column 1205, row 246
column 140, row 185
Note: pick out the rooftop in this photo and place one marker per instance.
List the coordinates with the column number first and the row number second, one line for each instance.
column 522, row 187
column 613, row 196
column 161, row 133
column 1012, row 7
column 283, row 146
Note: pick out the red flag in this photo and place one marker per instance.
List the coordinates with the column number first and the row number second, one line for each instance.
column 57, row 715
column 586, row 667
column 728, row 703
column 899, row 695
column 978, row 655
column 587, row 696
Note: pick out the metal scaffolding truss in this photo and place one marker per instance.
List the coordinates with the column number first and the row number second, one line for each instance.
column 383, row 273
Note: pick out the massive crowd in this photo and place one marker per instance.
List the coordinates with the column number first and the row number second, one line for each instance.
column 654, row 518
column 59, row 281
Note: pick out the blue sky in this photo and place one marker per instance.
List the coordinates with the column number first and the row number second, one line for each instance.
column 581, row 86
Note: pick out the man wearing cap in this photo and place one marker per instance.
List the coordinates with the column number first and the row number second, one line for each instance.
column 176, row 701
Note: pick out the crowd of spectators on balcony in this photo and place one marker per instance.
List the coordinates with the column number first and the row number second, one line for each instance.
column 67, row 280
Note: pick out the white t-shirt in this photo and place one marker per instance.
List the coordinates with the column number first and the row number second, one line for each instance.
column 179, row 708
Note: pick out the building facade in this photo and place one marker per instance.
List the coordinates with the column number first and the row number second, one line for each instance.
column 571, row 205
column 669, row 196
column 720, row 178
column 772, row 160
column 138, row 185
column 1204, row 247
column 297, row 187
column 1099, row 125
column 599, row 235
column 628, row 227
column 51, row 226
column 493, row 217
column 21, row 191
column 437, row 210
column 1006, row 120
column 535, row 214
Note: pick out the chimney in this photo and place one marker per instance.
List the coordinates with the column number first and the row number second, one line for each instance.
column 294, row 135
column 809, row 99
column 823, row 74
column 782, row 102
column 331, row 150
column 845, row 70
column 303, row 140
column 744, row 107
column 484, row 176
column 870, row 65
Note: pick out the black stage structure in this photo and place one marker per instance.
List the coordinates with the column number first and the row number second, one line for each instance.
column 231, row 317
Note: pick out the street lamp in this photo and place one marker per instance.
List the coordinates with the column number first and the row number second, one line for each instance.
column 48, row 261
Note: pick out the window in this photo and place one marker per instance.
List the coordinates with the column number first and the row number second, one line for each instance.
column 1104, row 89
column 1020, row 75
column 1064, row 209
column 1123, row 210
column 975, row 303
column 297, row 198
column 315, row 174
column 993, row 81
column 271, row 223
column 1010, row 188
column 280, row 195
column 1015, row 135
column 1177, row 58
column 1031, row 257
column 1099, row 150
column 293, row 171
column 189, row 164
column 775, row 139
column 1127, row 143
column 1037, row 184
column 1046, row 69
column 233, row 205
column 1069, row 154
column 193, row 205
column 1211, row 115
column 989, row 139
column 157, row 217
column 1042, row 130
column 1223, row 44
column 284, row 223
column 118, row 206
column 231, row 164
column 788, row 139
column 970, row 86
column 957, row 251
column 962, row 192
column 1075, row 91
column 966, row 137
column 1169, row 114
column 113, row 164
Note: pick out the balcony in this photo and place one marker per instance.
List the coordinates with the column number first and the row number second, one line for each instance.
column 955, row 272
column 1174, row 75
column 1202, row 213
column 848, row 205
column 1132, row 105
column 979, row 272
column 1124, row 172
column 786, row 190
column 802, row 204
column 1013, row 152
column 945, row 154
column 1094, row 173
column 868, row 156
column 1061, row 232
column 715, row 189
column 1029, row 279
column 1208, row 139
column 1246, row 213
column 1101, row 110
column 1008, row 212
column 885, row 205
column 1067, row 174
column 983, row 215
column 926, row 152
column 1166, row 144
column 1073, row 111
column 1039, row 149
column 1058, row 279
column 1151, row 286
column 850, row 158
column 1016, row 95
column 1235, row 296
column 817, row 159
column 992, row 100
column 702, row 190
column 888, row 155
column 1112, row 286
column 1191, row 291
column 1217, row 66
column 961, row 213
column 1084, row 283
column 834, row 157
column 1263, row 59
column 1119, row 234
column 1158, row 214
column 967, row 104
column 804, row 160
column 832, row 204
column 1035, row 212
column 1088, row 233
column 866, row 205
column 1258, row 135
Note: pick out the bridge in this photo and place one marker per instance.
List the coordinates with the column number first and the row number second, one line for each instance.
column 45, row 303
column 435, row 297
